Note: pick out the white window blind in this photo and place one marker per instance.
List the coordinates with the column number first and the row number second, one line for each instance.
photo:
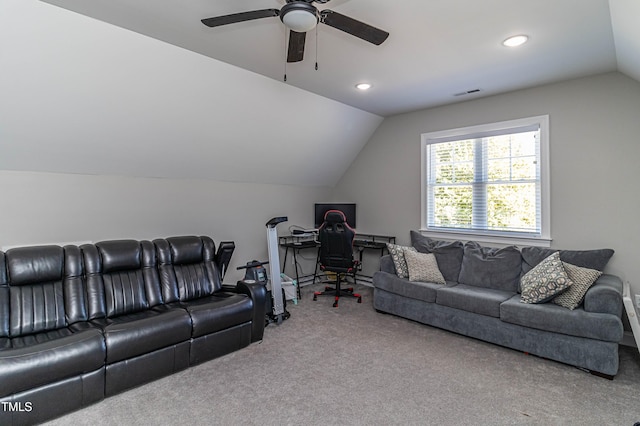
column 487, row 179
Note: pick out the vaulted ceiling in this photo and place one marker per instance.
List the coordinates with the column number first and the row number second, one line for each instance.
column 437, row 49
column 143, row 88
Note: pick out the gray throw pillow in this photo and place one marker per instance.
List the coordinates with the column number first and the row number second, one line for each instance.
column 448, row 253
column 545, row 281
column 496, row 268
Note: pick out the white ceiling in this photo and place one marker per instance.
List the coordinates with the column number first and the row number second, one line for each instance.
column 436, row 48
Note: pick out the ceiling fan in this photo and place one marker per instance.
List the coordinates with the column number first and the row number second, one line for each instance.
column 301, row 16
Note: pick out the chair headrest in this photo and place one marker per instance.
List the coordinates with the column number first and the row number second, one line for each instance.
column 334, row 216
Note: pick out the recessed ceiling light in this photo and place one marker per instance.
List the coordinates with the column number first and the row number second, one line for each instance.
column 363, row 86
column 515, row 41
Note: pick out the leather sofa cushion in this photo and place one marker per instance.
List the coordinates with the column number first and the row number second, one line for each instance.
column 415, row 290
column 120, row 255
column 27, row 265
column 219, row 312
column 189, row 249
column 483, row 301
column 128, row 336
column 38, row 359
column 555, row 318
column 186, row 269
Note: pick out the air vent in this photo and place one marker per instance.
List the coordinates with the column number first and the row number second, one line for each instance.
column 468, row 92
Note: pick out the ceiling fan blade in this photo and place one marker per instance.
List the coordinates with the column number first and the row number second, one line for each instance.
column 296, row 46
column 351, row 26
column 217, row 21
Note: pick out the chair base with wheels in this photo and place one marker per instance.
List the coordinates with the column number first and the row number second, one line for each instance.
column 338, row 291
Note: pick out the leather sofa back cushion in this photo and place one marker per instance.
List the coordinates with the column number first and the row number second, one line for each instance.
column 28, row 265
column 185, row 250
column 591, row 259
column 448, row 254
column 4, row 313
column 496, row 268
column 120, row 255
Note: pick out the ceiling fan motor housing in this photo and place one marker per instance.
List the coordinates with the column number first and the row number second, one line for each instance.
column 299, row 16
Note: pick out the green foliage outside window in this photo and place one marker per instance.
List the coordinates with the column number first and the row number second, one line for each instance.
column 499, row 173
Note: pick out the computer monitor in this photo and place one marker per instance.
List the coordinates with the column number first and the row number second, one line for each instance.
column 349, row 210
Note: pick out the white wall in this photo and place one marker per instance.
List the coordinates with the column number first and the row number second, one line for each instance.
column 49, row 208
column 595, row 149
column 79, row 95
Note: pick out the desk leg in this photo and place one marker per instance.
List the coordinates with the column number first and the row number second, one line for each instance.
column 295, row 264
column 315, row 271
column 284, row 262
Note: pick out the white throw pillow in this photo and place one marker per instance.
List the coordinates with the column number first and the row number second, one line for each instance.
column 423, row 267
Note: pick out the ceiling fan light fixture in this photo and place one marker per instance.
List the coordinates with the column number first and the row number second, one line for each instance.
column 299, row 17
column 515, row 41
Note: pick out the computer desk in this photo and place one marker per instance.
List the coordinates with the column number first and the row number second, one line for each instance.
column 295, row 243
column 364, row 242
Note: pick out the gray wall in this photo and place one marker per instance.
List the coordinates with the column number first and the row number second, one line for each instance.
column 594, row 149
column 49, row 208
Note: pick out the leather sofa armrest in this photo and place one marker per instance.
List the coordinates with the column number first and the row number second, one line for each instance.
column 605, row 296
column 258, row 293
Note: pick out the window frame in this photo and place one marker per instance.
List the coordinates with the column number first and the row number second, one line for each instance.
column 493, row 237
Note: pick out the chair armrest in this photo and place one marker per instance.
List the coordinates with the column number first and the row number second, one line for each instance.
column 257, row 293
column 605, row 296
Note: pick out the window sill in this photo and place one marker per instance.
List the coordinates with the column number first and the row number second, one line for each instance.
column 519, row 240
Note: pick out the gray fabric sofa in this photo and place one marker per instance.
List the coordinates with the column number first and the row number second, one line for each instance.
column 481, row 298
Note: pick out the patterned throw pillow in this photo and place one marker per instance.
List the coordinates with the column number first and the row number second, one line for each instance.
column 423, row 267
column 582, row 278
column 397, row 255
column 545, row 281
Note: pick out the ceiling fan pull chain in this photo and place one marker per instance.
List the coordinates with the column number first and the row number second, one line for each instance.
column 285, row 55
column 316, row 48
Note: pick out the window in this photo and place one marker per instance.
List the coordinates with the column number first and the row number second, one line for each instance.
column 489, row 182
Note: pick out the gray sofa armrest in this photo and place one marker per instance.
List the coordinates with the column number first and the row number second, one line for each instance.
column 386, row 264
column 605, row 296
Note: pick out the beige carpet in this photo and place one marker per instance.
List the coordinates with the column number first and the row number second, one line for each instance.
column 353, row 366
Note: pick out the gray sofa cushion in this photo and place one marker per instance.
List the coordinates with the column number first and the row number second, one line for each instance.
column 416, row 290
column 483, row 301
column 554, row 318
column 496, row 268
column 386, row 264
column 448, row 253
column 592, row 259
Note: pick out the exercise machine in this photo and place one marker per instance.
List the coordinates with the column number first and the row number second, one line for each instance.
column 255, row 271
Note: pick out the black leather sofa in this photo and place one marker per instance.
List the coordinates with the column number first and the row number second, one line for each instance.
column 78, row 324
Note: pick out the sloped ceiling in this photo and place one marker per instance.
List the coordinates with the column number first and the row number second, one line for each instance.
column 625, row 16
column 83, row 96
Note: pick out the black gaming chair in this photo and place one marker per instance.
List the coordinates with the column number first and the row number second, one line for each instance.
column 336, row 254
